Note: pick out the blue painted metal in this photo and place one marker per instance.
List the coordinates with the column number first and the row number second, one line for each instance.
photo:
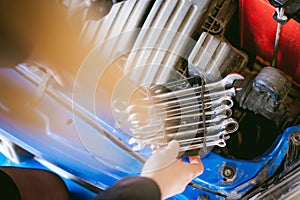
column 248, row 173
column 51, row 139
column 47, row 136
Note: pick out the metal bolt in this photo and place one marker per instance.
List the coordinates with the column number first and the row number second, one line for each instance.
column 295, row 138
column 228, row 173
column 203, row 197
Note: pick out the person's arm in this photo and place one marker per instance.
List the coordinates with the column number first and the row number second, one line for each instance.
column 171, row 174
column 162, row 176
column 134, row 187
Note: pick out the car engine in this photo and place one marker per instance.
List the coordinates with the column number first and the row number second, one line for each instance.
column 207, row 73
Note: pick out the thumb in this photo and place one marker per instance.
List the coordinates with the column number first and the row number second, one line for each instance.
column 171, row 150
column 195, row 166
column 162, row 158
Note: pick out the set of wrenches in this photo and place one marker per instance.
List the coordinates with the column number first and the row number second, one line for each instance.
column 196, row 114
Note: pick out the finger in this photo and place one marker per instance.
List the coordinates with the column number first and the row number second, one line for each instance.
column 170, row 151
column 196, row 165
column 173, row 148
column 197, row 168
column 162, row 158
column 191, row 171
column 195, row 159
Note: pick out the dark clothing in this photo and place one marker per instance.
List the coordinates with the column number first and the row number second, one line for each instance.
column 31, row 184
column 130, row 188
column 34, row 184
column 8, row 188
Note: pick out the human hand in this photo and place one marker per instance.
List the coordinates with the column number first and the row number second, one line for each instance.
column 171, row 174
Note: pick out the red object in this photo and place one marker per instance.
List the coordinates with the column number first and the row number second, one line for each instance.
column 258, row 30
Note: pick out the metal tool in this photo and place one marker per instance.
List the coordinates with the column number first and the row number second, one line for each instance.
column 190, row 96
column 208, row 103
column 183, row 109
column 197, row 143
column 198, row 115
column 227, row 126
column 214, row 137
column 192, row 99
column 230, row 125
column 224, row 102
column 149, row 131
column 215, row 140
column 209, row 88
column 215, row 115
column 282, row 19
column 223, row 110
